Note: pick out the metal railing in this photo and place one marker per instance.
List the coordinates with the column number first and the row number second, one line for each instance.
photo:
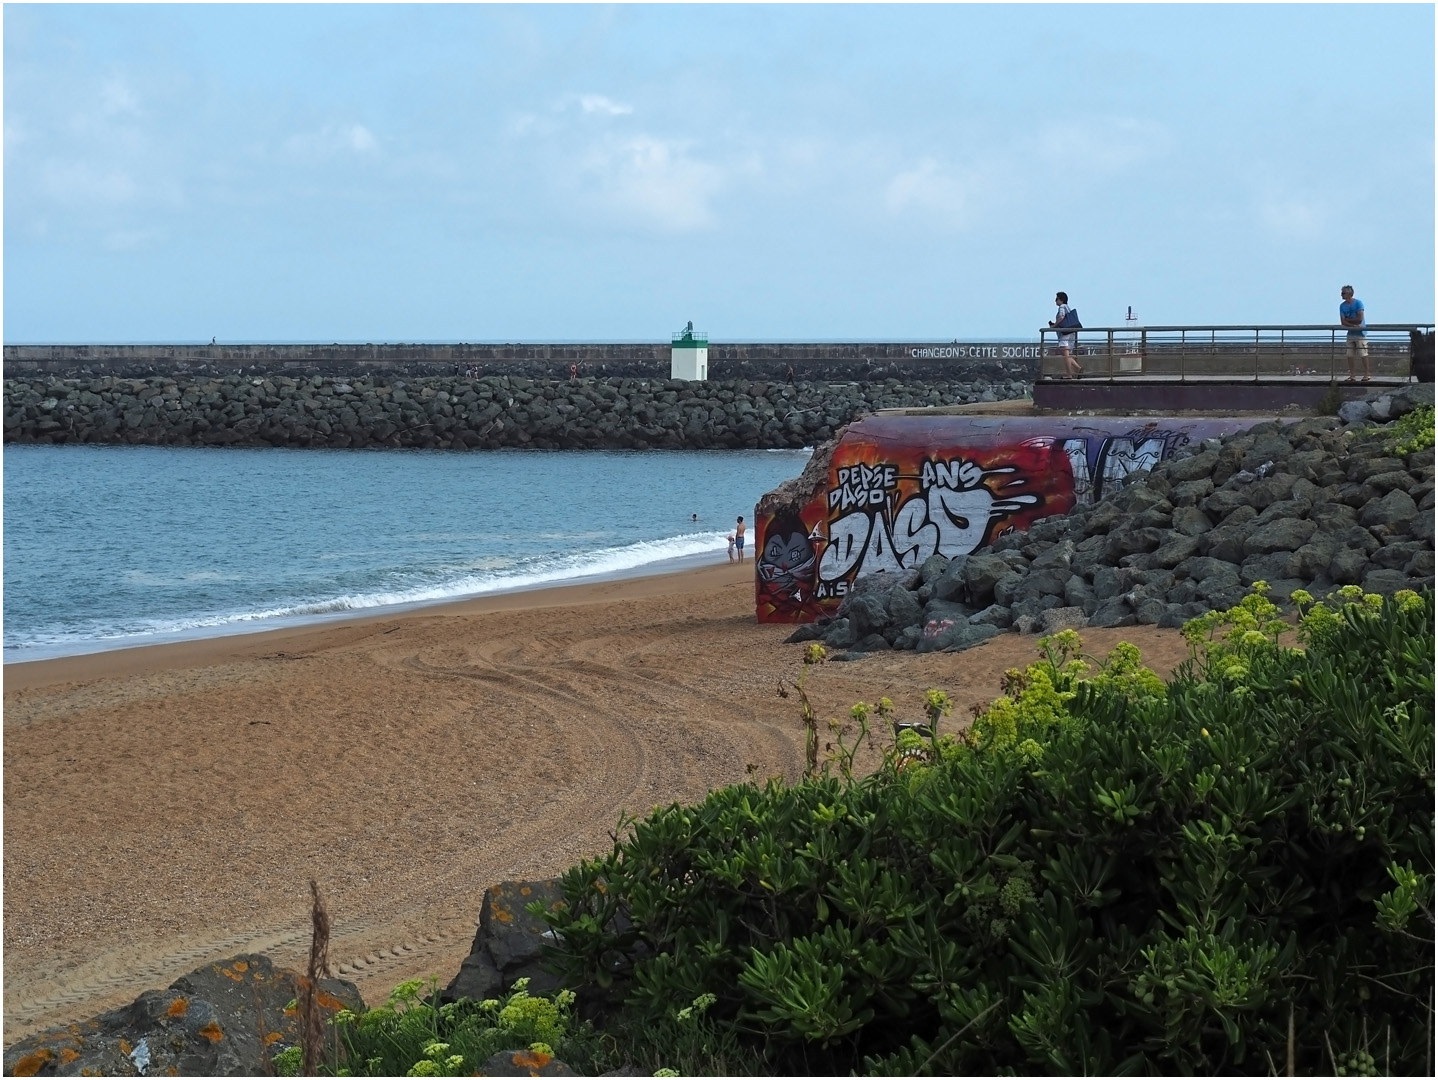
column 1307, row 352
column 690, row 339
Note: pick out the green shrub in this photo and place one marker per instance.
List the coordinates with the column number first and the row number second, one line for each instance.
column 1412, row 432
column 1104, row 874
column 412, row 1035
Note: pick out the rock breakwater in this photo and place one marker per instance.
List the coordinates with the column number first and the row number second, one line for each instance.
column 459, row 412
column 1313, row 505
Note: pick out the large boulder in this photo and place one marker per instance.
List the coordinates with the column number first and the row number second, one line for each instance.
column 981, row 573
column 953, row 583
column 508, row 941
column 1061, row 618
column 1397, row 507
column 1007, row 586
column 1058, row 557
column 867, row 612
column 1386, row 582
column 1199, row 466
column 229, row 1018
column 994, row 615
column 1174, row 551
column 943, row 636
column 1283, row 534
column 1191, row 521
column 903, row 607
column 1115, row 612
column 1355, row 412
column 1190, row 492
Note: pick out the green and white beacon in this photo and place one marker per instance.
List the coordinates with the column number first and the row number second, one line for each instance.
column 689, row 355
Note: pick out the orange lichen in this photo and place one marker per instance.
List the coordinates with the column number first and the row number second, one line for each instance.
column 524, row 890
column 330, row 1002
column 530, row 1059
column 125, row 1046
column 178, row 1007
column 212, row 1032
column 31, row 1064
column 67, row 1055
column 273, row 1037
column 500, row 914
column 241, row 965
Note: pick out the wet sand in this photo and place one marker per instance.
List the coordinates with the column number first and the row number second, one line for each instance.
column 167, row 806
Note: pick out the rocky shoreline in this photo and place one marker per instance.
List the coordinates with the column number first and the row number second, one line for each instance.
column 488, row 412
column 1311, row 505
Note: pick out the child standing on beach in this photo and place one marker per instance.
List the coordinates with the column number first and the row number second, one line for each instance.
column 730, row 538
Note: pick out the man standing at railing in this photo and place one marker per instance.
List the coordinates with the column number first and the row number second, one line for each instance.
column 1350, row 314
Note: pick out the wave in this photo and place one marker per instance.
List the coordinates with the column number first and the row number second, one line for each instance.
column 479, row 578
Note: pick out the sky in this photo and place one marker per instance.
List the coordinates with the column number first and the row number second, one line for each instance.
column 491, row 173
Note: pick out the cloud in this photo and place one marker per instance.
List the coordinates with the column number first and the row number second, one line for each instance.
column 653, row 182
column 938, row 193
column 116, row 98
column 331, row 140
column 1295, row 216
column 129, row 239
column 77, row 182
column 603, row 106
column 1102, row 145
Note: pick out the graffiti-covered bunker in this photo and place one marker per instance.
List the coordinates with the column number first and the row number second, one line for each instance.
column 894, row 489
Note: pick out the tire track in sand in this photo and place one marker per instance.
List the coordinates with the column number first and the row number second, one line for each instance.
column 604, row 707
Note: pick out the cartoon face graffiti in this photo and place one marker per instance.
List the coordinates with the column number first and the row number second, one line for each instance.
column 786, row 561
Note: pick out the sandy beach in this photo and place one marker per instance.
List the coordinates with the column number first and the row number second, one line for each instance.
column 167, row 806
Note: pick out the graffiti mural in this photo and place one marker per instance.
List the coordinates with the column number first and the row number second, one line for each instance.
column 902, row 488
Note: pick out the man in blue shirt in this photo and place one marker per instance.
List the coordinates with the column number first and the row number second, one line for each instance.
column 1350, row 314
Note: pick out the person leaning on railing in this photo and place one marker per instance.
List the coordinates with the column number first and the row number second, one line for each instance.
column 1351, row 315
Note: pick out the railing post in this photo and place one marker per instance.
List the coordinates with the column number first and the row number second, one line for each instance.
column 1257, row 341
column 1110, row 356
column 1183, row 356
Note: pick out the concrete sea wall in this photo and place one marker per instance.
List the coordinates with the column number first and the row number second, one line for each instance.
column 461, row 412
column 822, row 361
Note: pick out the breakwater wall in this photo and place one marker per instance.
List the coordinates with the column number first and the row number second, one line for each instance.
column 912, row 361
column 487, row 412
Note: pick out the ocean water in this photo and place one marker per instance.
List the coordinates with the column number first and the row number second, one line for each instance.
column 109, row 546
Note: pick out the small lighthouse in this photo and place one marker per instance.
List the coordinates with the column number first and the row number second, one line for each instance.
column 689, row 355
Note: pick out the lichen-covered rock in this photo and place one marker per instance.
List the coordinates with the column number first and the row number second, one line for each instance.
column 524, row 1063
column 508, row 943
column 229, row 1018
